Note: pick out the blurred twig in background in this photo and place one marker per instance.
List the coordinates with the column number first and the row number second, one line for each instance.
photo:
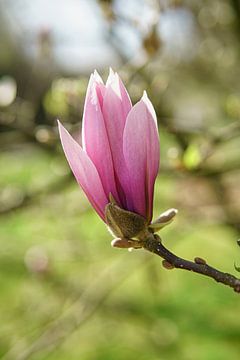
column 77, row 314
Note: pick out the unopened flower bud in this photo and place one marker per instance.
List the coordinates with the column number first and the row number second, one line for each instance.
column 120, row 148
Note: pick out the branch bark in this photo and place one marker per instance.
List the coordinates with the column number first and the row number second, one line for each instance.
column 199, row 265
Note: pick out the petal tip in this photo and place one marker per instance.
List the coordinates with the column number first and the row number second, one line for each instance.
column 111, row 72
column 60, row 126
column 144, row 96
column 111, row 77
column 96, row 77
column 62, row 130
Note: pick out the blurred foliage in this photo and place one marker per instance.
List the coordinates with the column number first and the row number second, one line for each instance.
column 65, row 293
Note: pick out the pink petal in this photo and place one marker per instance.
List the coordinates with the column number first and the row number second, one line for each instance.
column 100, row 88
column 116, row 106
column 116, row 86
column 95, row 137
column 141, row 152
column 84, row 171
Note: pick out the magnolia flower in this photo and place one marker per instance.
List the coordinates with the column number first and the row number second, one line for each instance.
column 119, row 156
column 117, row 164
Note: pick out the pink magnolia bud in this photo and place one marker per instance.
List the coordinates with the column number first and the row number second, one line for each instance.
column 120, row 153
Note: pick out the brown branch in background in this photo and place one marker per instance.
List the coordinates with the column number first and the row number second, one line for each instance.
column 29, row 198
column 199, row 266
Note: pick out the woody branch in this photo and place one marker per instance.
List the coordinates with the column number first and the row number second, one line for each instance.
column 199, row 266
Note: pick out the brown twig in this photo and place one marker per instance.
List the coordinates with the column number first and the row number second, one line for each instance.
column 199, row 266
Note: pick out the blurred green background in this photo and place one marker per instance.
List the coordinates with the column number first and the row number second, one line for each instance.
column 65, row 294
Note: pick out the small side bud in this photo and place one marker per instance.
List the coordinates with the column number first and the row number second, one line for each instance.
column 121, row 243
column 167, row 265
column 164, row 219
column 200, row 261
column 237, row 268
column 123, row 223
column 126, row 243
